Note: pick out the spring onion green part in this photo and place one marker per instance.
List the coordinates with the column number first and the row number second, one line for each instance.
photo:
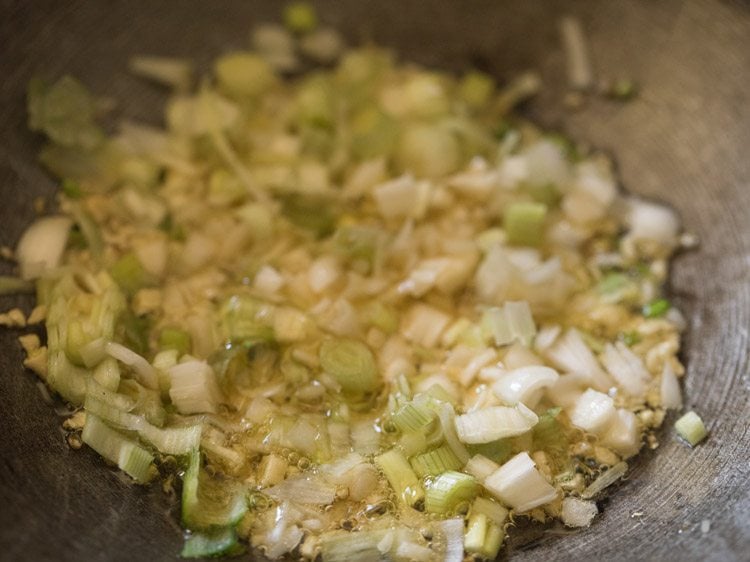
column 210, row 543
column 359, row 311
column 400, row 476
column 351, row 363
column 448, row 490
column 691, row 428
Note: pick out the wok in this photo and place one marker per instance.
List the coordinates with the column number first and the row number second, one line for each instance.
column 684, row 140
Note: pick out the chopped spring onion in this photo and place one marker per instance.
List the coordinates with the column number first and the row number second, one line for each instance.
column 400, row 476
column 351, row 363
column 300, row 17
column 657, row 308
column 436, row 461
column 304, row 489
column 453, row 533
column 174, row 338
column 344, row 546
column 495, row 422
column 691, row 428
column 208, row 502
column 130, row 457
column 143, row 370
column 480, row 467
column 193, row 388
column 448, row 490
column 512, row 321
column 214, row 542
column 524, row 223
column 412, row 416
column 606, row 479
column 519, row 484
column 493, row 510
column 14, row 285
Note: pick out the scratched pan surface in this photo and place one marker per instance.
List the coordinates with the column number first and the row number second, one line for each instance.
column 684, row 140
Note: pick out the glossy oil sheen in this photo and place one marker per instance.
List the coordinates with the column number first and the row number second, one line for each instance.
column 684, row 141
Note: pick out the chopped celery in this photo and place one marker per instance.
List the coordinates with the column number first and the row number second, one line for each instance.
column 436, row 461
column 691, row 428
column 214, row 542
column 71, row 189
column 175, row 338
column 524, row 223
column 545, row 193
column 448, row 490
column 400, row 476
column 351, row 363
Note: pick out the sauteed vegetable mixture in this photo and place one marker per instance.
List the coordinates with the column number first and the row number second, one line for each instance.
column 356, row 310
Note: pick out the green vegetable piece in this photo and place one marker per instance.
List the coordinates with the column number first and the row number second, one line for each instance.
column 175, row 338
column 64, row 111
column 215, row 542
column 245, row 322
column 476, row 89
column 657, row 308
column 498, row 451
column 400, row 476
column 71, row 189
column 313, row 213
column 412, row 417
column 135, row 331
column 129, row 274
column 524, row 223
column 630, row 338
column 243, row 74
column 436, row 462
column 691, row 428
column 493, row 540
column 300, row 17
column 351, row 363
column 374, row 134
column 448, row 490
column 623, row 90
column 545, row 193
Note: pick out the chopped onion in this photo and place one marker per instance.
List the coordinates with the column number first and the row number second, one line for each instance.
column 453, row 535
column 652, row 221
column 495, row 422
column 41, row 245
column 304, row 489
column 671, row 395
column 193, row 388
column 623, row 435
column 571, row 354
column 626, row 368
column 524, row 385
column 519, row 484
column 593, row 411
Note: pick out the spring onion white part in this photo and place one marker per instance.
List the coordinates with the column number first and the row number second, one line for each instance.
column 691, row 428
column 367, row 311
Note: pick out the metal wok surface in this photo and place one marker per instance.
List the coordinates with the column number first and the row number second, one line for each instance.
column 684, row 140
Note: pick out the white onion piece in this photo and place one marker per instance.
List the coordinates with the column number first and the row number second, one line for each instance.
column 626, row 368
column 145, row 373
column 593, row 411
column 546, row 163
column 193, row 388
column 524, row 385
column 323, row 45
column 577, row 512
column 41, row 245
column 566, row 389
column 570, row 353
column 493, row 423
column 622, row 435
column 519, row 484
column 652, row 221
column 304, row 489
column 480, row 467
column 671, row 395
column 453, row 534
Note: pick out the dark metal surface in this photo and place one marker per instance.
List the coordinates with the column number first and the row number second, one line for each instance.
column 684, row 140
